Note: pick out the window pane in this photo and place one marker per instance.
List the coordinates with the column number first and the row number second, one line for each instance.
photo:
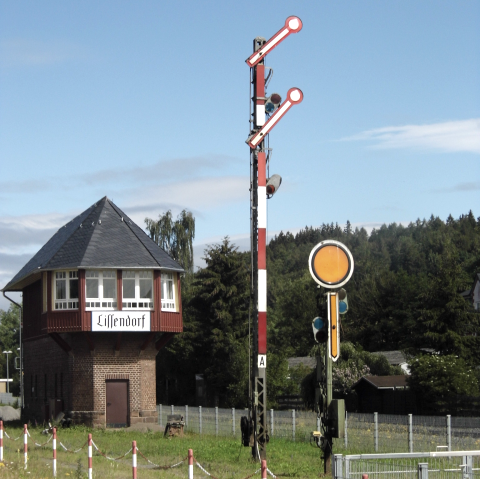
column 128, row 274
column 109, row 274
column 145, row 274
column 109, row 288
column 60, row 289
column 91, row 274
column 128, row 288
column 92, row 288
column 73, row 289
column 169, row 290
column 146, row 288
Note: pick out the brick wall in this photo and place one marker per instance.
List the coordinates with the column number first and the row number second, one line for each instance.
column 84, row 375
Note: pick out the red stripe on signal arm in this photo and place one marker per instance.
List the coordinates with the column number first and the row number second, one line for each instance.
column 262, row 333
column 260, row 85
column 262, row 245
column 262, row 170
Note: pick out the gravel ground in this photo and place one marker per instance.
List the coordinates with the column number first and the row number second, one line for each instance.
column 8, row 413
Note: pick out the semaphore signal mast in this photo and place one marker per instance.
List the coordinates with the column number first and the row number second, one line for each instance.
column 254, row 428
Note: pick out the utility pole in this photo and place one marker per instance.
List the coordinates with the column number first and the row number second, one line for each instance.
column 254, row 430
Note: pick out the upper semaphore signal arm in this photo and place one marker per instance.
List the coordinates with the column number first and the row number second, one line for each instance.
column 292, row 25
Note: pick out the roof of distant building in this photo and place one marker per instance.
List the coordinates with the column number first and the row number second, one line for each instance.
column 305, row 360
column 103, row 236
column 393, row 357
column 384, row 382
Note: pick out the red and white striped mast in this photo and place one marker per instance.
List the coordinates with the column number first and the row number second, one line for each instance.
column 260, row 188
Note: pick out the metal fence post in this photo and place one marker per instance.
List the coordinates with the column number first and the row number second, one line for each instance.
column 410, row 433
column 345, row 439
column 337, row 466
column 173, row 409
column 186, row 416
column 318, row 424
column 272, row 424
column 293, row 424
column 347, row 468
column 422, row 469
column 216, row 421
column 375, row 430
column 449, row 432
column 233, row 421
column 200, row 419
column 467, row 467
column 160, row 416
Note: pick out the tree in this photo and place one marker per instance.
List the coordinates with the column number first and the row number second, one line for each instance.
column 220, row 305
column 440, row 380
column 10, row 341
column 447, row 323
column 175, row 237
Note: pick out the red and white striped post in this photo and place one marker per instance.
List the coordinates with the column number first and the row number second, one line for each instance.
column 90, row 456
column 190, row 464
column 54, row 446
column 25, row 445
column 1, row 441
column 264, row 469
column 134, row 459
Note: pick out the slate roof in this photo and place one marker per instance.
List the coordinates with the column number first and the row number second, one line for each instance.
column 384, row 382
column 393, row 357
column 103, row 236
column 305, row 360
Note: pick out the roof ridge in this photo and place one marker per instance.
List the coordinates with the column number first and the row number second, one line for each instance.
column 93, row 207
column 130, row 225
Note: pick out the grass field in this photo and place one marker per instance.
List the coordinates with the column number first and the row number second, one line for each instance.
column 223, row 458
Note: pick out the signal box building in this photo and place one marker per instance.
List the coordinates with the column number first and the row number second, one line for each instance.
column 100, row 299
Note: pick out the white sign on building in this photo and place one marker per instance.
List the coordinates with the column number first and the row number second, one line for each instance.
column 134, row 321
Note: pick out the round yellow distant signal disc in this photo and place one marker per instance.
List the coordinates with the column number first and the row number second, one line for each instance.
column 331, row 264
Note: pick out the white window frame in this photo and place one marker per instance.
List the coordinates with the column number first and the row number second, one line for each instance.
column 101, row 302
column 66, row 303
column 138, row 302
column 167, row 303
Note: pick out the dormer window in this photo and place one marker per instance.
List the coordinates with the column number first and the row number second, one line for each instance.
column 168, row 292
column 137, row 289
column 101, row 289
column 66, row 290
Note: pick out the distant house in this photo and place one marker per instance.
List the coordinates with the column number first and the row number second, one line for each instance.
column 473, row 294
column 384, row 394
column 395, row 358
column 306, row 361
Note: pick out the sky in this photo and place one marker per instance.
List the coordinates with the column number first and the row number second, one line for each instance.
column 147, row 102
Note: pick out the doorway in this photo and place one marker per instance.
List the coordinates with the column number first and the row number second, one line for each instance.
column 117, row 403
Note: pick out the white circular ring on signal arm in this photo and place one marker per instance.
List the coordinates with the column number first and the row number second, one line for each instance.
column 294, row 95
column 350, row 261
column 293, row 23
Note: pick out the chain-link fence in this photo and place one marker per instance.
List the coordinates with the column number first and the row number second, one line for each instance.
column 363, row 432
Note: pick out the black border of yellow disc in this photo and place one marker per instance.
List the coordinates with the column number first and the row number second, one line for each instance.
column 317, row 275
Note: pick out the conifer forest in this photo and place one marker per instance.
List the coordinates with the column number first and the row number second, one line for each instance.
column 409, row 292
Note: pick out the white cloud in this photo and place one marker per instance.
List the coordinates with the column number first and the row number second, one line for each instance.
column 196, row 195
column 24, row 52
column 462, row 135
column 28, row 233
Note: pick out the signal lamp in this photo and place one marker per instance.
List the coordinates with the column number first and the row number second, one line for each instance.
column 320, row 331
column 273, row 183
column 342, row 301
column 272, row 103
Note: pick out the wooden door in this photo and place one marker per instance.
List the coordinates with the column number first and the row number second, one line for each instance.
column 117, row 403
